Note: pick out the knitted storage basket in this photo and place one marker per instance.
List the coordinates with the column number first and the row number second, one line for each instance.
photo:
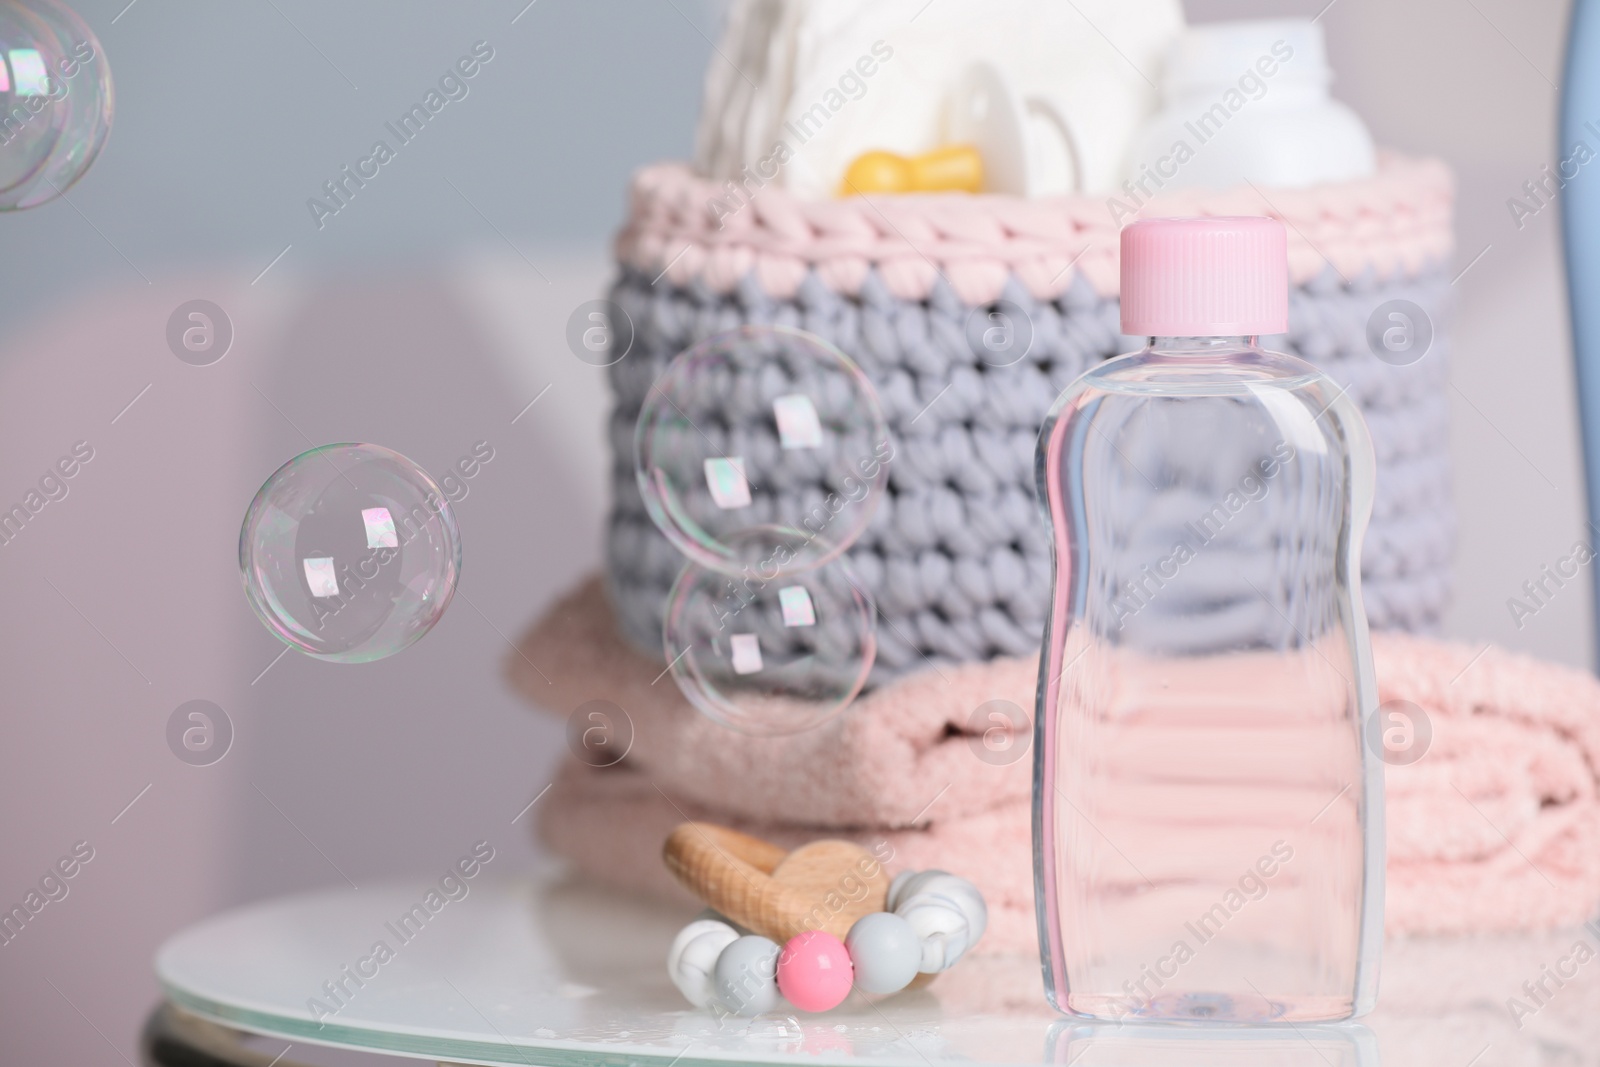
column 958, row 556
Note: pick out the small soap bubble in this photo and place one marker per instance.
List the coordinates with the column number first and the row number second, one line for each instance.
column 769, row 653
column 776, row 1031
column 55, row 101
column 762, row 428
column 350, row 552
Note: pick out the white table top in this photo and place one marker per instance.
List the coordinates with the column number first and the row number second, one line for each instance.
column 551, row 972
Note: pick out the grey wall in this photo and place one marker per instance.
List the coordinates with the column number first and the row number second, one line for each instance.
column 424, row 322
column 230, row 115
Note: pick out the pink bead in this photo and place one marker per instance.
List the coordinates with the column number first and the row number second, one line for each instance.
column 814, row 971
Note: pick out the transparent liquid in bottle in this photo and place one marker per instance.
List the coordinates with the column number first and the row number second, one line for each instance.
column 1207, row 818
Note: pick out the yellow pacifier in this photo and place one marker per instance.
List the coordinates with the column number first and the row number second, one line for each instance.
column 954, row 168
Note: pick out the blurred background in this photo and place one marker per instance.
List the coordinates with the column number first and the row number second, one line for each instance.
column 425, row 316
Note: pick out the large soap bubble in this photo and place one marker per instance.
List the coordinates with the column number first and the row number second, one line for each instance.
column 762, row 428
column 767, row 653
column 350, row 552
column 55, row 101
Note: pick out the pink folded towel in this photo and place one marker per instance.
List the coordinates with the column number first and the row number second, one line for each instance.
column 899, row 755
column 1497, row 827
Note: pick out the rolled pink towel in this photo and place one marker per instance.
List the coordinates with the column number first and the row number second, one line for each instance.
column 898, row 756
column 1496, row 828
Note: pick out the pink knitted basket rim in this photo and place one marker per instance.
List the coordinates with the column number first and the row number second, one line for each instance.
column 1397, row 222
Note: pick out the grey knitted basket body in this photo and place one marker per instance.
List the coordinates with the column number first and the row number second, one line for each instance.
column 958, row 556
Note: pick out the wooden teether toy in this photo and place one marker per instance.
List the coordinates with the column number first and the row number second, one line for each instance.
column 830, row 906
column 826, row 885
column 953, row 169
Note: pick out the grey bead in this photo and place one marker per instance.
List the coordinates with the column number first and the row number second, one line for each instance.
column 746, row 976
column 886, row 952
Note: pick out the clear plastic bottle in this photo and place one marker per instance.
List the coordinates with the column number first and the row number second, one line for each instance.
column 1208, row 819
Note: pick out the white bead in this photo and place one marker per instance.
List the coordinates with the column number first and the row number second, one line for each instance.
column 693, row 956
column 940, row 927
column 897, row 887
column 966, row 896
column 947, row 912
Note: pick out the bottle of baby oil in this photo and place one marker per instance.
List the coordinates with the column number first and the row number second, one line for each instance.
column 1208, row 818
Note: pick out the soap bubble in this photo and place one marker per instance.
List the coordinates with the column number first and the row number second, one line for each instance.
column 767, row 653
column 776, row 1031
column 55, row 101
column 762, row 427
column 350, row 552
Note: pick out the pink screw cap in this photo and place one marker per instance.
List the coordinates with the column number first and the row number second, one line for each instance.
column 814, row 971
column 1205, row 277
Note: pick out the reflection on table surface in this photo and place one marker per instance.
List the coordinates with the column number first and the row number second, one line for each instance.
column 559, row 972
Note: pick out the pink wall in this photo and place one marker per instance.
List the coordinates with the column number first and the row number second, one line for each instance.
column 378, row 769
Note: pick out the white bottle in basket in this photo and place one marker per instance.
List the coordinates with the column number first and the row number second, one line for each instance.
column 1247, row 102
